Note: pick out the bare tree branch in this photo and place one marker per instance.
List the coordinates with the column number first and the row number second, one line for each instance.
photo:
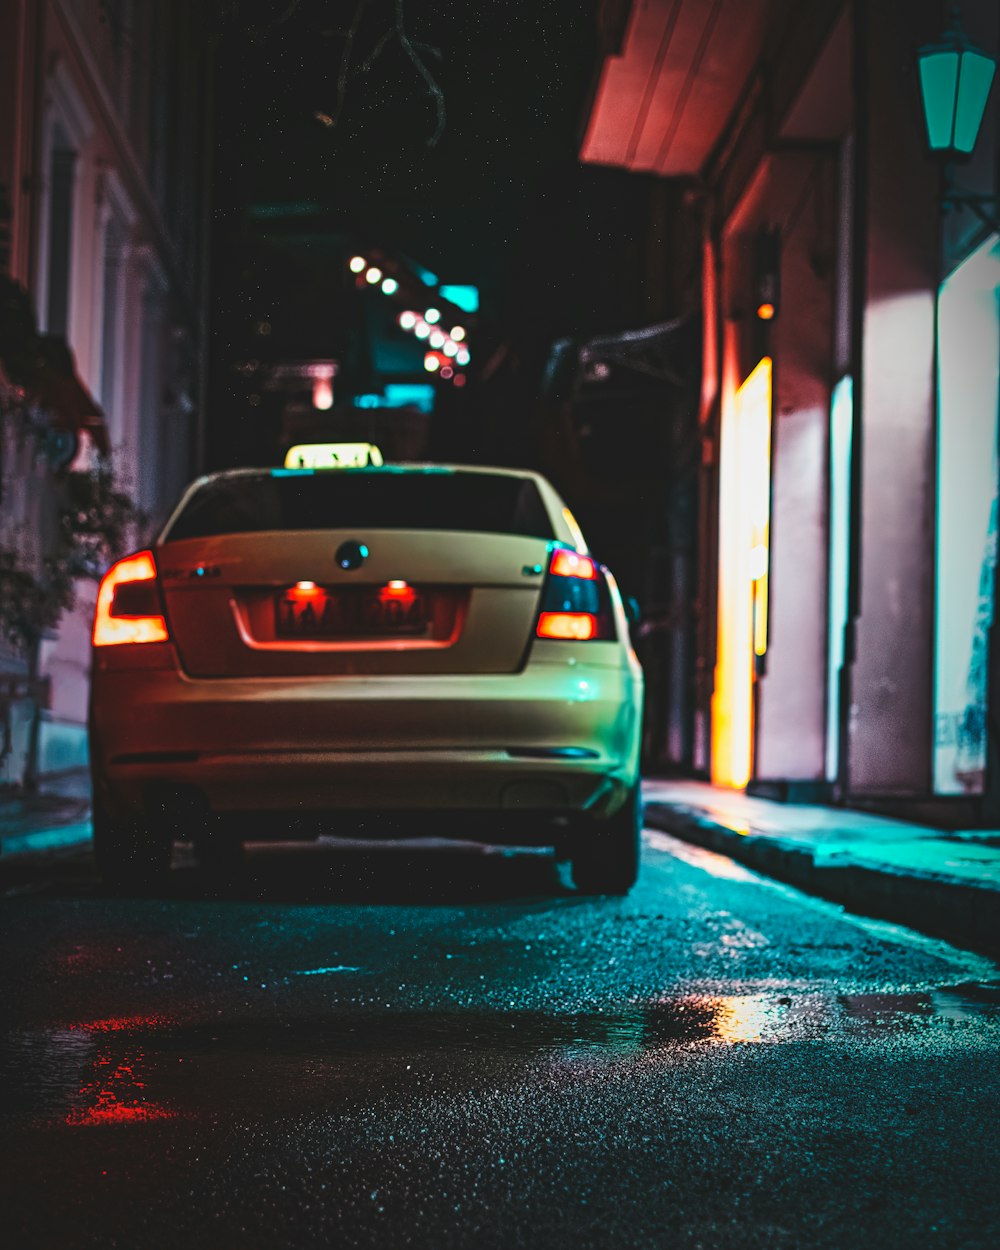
column 345, row 61
column 432, row 84
column 258, row 32
column 414, row 49
column 364, row 66
column 284, row 15
column 427, row 47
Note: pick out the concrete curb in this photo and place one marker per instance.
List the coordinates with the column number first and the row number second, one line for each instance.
column 965, row 914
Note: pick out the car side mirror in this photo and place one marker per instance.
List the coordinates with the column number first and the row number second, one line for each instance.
column 633, row 613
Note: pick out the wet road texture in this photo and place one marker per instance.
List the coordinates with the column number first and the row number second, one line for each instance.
column 433, row 1046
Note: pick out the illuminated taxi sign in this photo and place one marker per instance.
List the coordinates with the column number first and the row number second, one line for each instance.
column 332, row 456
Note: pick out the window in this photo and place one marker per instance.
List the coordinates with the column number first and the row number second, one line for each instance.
column 62, row 167
column 360, row 499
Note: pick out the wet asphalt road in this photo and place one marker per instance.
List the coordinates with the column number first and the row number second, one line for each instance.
column 435, row 1047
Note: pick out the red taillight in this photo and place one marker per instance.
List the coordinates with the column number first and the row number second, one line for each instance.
column 126, row 615
column 579, row 626
column 575, row 603
column 566, row 563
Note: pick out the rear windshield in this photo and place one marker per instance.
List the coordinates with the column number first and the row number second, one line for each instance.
column 363, row 499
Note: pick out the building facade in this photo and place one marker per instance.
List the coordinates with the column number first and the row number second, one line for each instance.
column 104, row 159
column 851, row 354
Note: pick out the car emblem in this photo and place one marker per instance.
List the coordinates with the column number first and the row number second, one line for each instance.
column 351, row 555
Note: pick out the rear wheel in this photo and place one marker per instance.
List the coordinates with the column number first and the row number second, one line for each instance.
column 127, row 852
column 605, row 853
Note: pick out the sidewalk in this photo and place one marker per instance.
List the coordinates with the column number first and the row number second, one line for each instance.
column 58, row 816
column 943, row 883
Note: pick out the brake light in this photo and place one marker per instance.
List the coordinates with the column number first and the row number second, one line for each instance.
column 399, row 590
column 566, row 563
column 576, row 601
column 129, row 609
column 578, row 625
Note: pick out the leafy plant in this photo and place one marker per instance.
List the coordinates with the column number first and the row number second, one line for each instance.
column 94, row 518
column 93, row 528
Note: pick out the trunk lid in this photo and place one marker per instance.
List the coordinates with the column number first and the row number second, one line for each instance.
column 280, row 604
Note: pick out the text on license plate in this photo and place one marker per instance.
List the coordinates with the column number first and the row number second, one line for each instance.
column 350, row 614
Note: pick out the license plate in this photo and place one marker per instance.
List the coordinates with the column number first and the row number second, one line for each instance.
column 351, row 614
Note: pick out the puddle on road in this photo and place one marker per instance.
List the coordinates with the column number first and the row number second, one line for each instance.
column 134, row 1070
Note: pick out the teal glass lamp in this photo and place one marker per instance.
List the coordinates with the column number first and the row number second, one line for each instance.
column 955, row 81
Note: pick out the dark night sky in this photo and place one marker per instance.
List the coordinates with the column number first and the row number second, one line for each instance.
column 501, row 201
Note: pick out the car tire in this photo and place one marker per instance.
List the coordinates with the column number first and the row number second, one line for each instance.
column 127, row 852
column 605, row 853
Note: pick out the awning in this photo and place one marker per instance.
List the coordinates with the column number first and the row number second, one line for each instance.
column 661, row 104
column 57, row 388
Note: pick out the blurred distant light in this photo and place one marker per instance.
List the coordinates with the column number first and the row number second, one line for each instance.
column 413, row 394
column 431, row 362
column 450, row 348
column 373, row 275
column 458, row 379
column 357, row 263
column 390, row 286
column 432, row 316
column 458, row 333
column 407, row 320
column 421, row 329
column 463, row 356
column 766, row 273
column 323, row 393
column 400, row 395
column 464, row 297
column 436, row 339
column 447, row 371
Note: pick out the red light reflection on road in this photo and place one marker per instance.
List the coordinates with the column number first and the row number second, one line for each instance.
column 122, row 1024
column 114, row 1091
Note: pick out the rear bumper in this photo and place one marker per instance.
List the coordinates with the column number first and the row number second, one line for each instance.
column 557, row 737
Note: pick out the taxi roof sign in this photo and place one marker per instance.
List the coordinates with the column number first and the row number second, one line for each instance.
column 332, row 456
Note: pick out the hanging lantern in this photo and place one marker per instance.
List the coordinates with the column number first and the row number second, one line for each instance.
column 955, row 81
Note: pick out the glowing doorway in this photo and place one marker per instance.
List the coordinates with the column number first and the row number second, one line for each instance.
column 744, row 560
